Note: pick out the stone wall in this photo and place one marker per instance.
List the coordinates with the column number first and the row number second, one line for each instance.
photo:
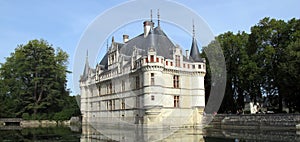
column 256, row 121
column 43, row 123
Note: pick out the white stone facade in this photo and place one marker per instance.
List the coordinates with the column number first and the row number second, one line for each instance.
column 144, row 87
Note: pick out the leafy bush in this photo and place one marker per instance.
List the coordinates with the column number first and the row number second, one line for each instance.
column 26, row 116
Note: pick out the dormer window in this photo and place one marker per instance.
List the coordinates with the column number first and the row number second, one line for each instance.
column 151, row 58
column 177, row 60
column 112, row 58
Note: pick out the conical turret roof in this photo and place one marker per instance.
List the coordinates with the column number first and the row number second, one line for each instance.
column 86, row 69
column 194, row 53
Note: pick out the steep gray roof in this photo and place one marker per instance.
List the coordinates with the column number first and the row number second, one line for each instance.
column 104, row 62
column 86, row 70
column 156, row 39
column 194, row 53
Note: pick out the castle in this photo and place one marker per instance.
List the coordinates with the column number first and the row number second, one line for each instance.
column 145, row 80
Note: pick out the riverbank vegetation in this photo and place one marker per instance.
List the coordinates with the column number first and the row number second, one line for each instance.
column 33, row 83
column 262, row 66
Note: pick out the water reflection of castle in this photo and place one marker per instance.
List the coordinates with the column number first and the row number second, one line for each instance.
column 139, row 134
column 191, row 135
column 145, row 80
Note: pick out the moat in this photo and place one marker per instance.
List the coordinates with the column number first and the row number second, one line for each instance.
column 88, row 133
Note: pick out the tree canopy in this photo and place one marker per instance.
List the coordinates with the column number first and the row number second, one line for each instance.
column 33, row 82
column 263, row 64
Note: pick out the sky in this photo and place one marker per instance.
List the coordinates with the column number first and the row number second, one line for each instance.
column 63, row 22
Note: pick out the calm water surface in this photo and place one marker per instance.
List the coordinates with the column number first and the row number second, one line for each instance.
column 90, row 134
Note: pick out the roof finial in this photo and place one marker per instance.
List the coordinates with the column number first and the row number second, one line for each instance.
column 158, row 21
column 87, row 56
column 151, row 15
column 87, row 53
column 106, row 45
column 193, row 29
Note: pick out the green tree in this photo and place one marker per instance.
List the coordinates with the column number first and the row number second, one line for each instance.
column 233, row 46
column 262, row 63
column 270, row 47
column 290, row 68
column 34, row 79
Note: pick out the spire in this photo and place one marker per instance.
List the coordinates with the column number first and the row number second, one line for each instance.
column 107, row 45
column 87, row 55
column 193, row 29
column 158, row 21
column 151, row 15
column 194, row 52
column 86, row 68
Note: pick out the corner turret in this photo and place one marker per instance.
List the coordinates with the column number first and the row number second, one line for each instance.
column 194, row 52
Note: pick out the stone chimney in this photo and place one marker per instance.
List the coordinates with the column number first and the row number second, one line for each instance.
column 187, row 54
column 125, row 38
column 147, row 28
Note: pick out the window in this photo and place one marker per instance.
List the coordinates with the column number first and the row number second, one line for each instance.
column 107, row 88
column 199, row 66
column 157, row 60
column 110, row 105
column 188, row 66
column 99, row 90
column 147, row 60
column 166, row 62
column 107, row 105
column 110, row 88
column 152, row 98
column 176, row 81
column 113, row 105
column 152, row 78
column 112, row 58
column 183, row 65
column 193, row 66
column 137, row 82
column 151, row 58
column 177, row 61
column 123, row 85
column 176, row 101
column 171, row 63
column 123, row 104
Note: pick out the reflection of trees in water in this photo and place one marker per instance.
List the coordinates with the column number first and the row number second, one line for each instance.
column 91, row 134
column 40, row 134
column 212, row 135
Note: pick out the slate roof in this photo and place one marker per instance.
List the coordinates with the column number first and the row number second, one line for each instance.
column 194, row 53
column 86, row 70
column 159, row 41
column 156, row 39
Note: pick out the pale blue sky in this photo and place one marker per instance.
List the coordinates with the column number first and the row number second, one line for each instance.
column 62, row 22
